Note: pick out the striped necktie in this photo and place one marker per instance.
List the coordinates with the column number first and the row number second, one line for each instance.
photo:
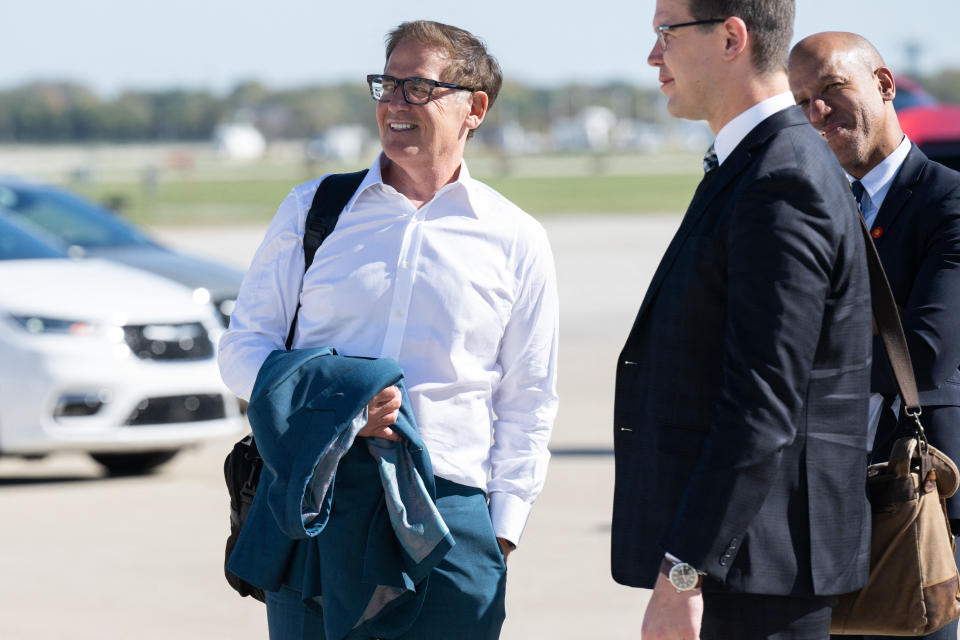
column 710, row 161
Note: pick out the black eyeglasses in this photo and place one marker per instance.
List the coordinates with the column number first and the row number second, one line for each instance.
column 662, row 29
column 415, row 90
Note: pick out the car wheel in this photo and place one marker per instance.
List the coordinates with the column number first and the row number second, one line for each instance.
column 131, row 464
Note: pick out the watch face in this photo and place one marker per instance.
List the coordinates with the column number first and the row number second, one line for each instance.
column 683, row 577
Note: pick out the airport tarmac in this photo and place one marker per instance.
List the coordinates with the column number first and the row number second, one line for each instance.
column 84, row 558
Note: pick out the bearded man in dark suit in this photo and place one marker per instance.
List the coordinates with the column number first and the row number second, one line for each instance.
column 742, row 391
column 912, row 206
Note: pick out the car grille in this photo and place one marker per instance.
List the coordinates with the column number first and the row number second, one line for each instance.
column 187, row 341
column 170, row 409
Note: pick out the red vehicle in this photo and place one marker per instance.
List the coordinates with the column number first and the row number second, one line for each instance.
column 931, row 125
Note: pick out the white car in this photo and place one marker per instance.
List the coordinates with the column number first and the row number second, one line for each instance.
column 102, row 358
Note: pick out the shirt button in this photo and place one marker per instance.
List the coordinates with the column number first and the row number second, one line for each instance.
column 398, row 314
column 406, row 265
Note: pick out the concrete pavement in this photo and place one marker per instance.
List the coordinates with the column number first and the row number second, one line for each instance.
column 82, row 557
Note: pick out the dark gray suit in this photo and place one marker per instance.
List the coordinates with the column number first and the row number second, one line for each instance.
column 741, row 399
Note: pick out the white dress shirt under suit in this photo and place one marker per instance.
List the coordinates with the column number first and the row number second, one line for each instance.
column 461, row 292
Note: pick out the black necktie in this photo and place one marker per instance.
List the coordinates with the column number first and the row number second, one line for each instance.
column 857, row 187
column 710, row 161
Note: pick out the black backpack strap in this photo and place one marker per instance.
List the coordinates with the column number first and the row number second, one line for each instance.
column 332, row 195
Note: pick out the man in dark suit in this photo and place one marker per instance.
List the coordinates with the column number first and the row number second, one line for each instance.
column 741, row 399
column 912, row 206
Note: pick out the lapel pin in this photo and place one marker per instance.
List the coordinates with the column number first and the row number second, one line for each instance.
column 876, row 233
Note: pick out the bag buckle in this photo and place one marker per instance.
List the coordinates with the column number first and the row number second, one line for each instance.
column 914, row 412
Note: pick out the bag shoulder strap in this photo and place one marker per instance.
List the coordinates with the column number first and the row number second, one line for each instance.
column 332, row 195
column 887, row 317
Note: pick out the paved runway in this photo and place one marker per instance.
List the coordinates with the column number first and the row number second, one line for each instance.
column 82, row 557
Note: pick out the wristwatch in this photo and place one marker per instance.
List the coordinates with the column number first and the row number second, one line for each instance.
column 683, row 576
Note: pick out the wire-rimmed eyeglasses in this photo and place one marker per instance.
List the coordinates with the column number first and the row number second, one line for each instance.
column 662, row 30
column 415, row 90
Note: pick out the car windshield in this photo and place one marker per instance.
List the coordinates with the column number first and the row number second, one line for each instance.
column 69, row 218
column 18, row 244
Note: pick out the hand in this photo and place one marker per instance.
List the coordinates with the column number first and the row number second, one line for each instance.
column 382, row 412
column 671, row 615
column 505, row 548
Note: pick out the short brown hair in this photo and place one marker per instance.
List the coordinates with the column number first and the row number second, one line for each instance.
column 470, row 63
column 769, row 22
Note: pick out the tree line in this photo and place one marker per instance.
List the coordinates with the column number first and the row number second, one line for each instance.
column 66, row 112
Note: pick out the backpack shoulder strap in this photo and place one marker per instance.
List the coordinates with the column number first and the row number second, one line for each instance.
column 332, row 195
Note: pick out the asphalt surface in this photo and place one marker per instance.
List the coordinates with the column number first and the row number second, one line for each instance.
column 86, row 557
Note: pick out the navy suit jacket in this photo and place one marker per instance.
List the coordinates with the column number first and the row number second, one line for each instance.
column 917, row 234
column 740, row 422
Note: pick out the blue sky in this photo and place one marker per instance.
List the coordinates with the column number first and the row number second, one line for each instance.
column 115, row 44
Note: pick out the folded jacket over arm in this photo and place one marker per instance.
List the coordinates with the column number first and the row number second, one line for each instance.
column 351, row 525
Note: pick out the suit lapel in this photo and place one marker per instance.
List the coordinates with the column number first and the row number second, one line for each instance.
column 899, row 193
column 711, row 185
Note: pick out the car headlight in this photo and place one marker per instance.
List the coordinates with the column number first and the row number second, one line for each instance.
column 39, row 324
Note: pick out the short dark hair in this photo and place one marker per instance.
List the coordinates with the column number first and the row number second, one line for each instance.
column 470, row 63
column 769, row 22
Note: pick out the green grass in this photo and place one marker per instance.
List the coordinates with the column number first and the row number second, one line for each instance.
column 599, row 194
column 254, row 201
column 194, row 201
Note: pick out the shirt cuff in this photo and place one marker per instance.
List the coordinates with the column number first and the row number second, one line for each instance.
column 509, row 515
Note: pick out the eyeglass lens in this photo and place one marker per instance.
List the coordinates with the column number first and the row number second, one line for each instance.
column 415, row 91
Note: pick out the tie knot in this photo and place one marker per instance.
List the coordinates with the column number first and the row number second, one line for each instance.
column 857, row 187
column 710, row 161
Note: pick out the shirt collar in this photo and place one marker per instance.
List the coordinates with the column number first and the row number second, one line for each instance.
column 878, row 180
column 737, row 129
column 375, row 177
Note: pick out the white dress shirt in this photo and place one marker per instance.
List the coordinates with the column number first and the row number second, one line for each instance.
column 876, row 183
column 460, row 292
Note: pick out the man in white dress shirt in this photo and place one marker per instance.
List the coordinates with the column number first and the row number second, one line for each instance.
column 441, row 273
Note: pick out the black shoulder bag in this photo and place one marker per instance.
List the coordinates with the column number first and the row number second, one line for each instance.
column 243, row 464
